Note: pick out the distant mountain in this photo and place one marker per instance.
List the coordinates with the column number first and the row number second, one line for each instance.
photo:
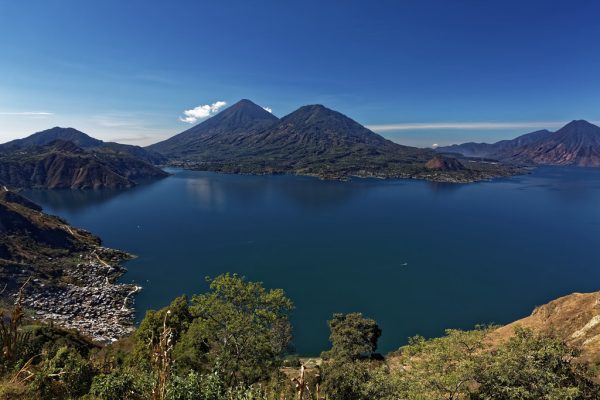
column 218, row 134
column 138, row 152
column 315, row 136
column 49, row 135
column 63, row 164
column 312, row 140
column 577, row 144
column 472, row 149
column 83, row 141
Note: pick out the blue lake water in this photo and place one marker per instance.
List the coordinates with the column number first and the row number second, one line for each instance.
column 416, row 256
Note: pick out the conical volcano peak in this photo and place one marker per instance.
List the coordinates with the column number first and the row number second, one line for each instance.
column 244, row 110
column 579, row 124
column 245, row 102
column 240, row 119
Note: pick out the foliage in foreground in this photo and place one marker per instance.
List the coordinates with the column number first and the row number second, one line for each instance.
column 229, row 344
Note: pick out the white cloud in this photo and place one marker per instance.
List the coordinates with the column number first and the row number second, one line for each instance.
column 468, row 125
column 28, row 113
column 201, row 112
column 268, row 109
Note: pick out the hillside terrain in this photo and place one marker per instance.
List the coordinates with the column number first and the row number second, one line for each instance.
column 83, row 141
column 312, row 140
column 60, row 164
column 575, row 144
column 71, row 277
column 574, row 318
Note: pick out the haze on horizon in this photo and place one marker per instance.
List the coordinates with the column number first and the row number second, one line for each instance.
column 417, row 72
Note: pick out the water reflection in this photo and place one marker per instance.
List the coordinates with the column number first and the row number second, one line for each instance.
column 207, row 192
column 218, row 191
column 311, row 193
column 442, row 188
column 569, row 185
column 76, row 200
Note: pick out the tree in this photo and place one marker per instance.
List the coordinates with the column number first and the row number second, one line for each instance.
column 243, row 328
column 357, row 380
column 352, row 337
column 348, row 372
column 148, row 335
column 531, row 366
column 440, row 368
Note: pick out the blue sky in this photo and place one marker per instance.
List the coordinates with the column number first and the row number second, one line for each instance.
column 419, row 72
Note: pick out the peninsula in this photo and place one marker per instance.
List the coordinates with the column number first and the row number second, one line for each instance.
column 71, row 278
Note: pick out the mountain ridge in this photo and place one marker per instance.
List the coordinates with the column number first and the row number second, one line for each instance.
column 576, row 144
column 312, row 140
column 82, row 140
column 62, row 164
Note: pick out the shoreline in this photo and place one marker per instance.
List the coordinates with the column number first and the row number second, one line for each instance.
column 90, row 301
column 464, row 176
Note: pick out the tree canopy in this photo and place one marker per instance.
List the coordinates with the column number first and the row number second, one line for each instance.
column 352, row 337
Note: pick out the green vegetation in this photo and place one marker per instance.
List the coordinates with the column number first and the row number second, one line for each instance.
column 352, row 337
column 233, row 343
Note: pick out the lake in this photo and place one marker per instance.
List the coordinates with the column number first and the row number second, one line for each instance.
column 418, row 257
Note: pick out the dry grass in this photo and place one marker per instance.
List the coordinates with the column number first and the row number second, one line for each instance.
column 574, row 318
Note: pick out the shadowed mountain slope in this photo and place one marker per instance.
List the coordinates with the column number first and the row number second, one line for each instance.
column 216, row 135
column 312, row 140
column 62, row 164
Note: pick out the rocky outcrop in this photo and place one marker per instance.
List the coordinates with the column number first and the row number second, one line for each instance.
column 441, row 163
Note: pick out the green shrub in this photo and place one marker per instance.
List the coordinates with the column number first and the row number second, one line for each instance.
column 194, row 386
column 355, row 380
column 121, row 385
column 531, row 366
column 292, row 362
column 64, row 374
